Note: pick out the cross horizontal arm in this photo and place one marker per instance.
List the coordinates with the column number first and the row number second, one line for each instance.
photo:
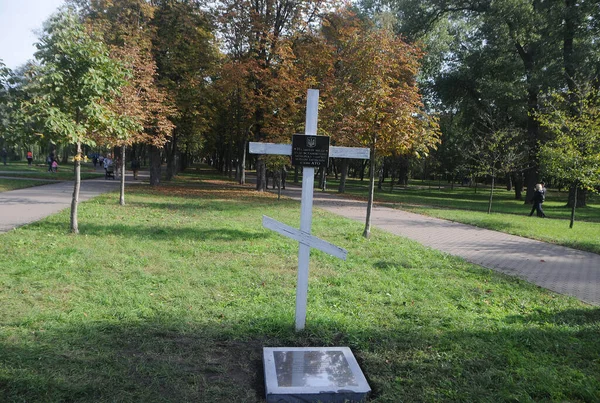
column 349, row 152
column 270, row 148
column 304, row 238
column 286, row 149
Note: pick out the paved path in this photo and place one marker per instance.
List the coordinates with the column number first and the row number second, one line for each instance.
column 564, row 270
column 557, row 268
column 23, row 206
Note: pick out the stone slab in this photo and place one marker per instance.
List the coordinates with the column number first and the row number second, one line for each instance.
column 313, row 374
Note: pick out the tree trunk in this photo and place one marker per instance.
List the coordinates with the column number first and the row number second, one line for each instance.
column 76, row 187
column 343, row 176
column 578, row 195
column 155, row 163
column 518, row 184
column 122, row 167
column 363, row 166
column 261, row 175
column 491, row 195
column 573, row 206
column 381, row 176
column 171, row 154
column 367, row 231
column 403, row 166
column 243, row 164
column 296, row 174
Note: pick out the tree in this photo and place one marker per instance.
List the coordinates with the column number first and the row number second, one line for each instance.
column 256, row 35
column 72, row 90
column 376, row 84
column 573, row 154
column 126, row 27
column 497, row 152
column 5, row 78
column 185, row 54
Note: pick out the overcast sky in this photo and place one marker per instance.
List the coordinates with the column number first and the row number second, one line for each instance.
column 18, row 21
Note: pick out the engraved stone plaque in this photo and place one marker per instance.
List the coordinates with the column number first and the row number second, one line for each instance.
column 313, row 374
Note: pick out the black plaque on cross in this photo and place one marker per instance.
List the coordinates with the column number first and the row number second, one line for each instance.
column 310, row 151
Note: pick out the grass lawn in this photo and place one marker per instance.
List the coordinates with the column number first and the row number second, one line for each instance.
column 29, row 174
column 172, row 297
column 40, row 171
column 466, row 205
column 13, row 184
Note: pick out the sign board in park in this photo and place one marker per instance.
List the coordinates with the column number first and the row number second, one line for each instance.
column 310, row 151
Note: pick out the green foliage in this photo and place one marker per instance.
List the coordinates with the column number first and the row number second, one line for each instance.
column 496, row 153
column 573, row 153
column 74, row 84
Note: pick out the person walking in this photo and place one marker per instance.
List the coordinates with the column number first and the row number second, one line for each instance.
column 49, row 161
column 4, row 155
column 539, row 197
column 29, row 158
column 135, row 167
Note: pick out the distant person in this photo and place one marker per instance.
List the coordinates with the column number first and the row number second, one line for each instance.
column 29, row 158
column 4, row 155
column 135, row 167
column 101, row 160
column 539, row 197
column 95, row 160
column 107, row 162
column 55, row 166
column 49, row 161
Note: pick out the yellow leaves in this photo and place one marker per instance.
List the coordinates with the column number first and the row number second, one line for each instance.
column 80, row 157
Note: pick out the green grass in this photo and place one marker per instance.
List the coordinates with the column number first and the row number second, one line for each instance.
column 17, row 170
column 465, row 205
column 172, row 297
column 40, row 171
column 13, row 184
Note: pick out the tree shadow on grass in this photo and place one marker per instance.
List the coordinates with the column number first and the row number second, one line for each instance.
column 141, row 362
column 168, row 232
column 171, row 359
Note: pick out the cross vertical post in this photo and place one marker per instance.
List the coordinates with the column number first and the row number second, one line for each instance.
column 308, row 175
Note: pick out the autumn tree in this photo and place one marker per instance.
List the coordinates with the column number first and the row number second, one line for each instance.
column 72, row 90
column 256, row 34
column 376, row 85
column 126, row 27
column 185, row 53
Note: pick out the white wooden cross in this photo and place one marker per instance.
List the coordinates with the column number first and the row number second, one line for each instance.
column 303, row 235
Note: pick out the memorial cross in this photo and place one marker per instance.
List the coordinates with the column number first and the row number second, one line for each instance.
column 303, row 235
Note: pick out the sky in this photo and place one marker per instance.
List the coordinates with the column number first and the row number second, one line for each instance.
column 18, row 21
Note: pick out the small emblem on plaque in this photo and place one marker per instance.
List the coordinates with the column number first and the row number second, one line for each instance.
column 311, row 141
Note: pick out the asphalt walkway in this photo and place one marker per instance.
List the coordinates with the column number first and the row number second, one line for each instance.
column 23, row 206
column 557, row 268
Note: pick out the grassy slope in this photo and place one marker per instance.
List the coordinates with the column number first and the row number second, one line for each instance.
column 172, row 297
